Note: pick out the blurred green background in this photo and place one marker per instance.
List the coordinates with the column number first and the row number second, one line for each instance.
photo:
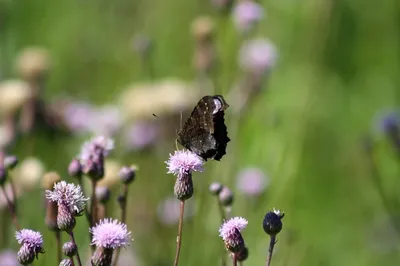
column 338, row 66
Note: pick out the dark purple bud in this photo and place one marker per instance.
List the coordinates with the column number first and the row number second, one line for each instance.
column 127, row 174
column 272, row 223
column 242, row 255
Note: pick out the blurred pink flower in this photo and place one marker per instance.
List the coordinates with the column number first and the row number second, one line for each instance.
column 76, row 116
column 257, row 56
column 246, row 14
column 8, row 257
column 168, row 211
column 252, row 181
column 105, row 120
column 141, row 135
column 81, row 117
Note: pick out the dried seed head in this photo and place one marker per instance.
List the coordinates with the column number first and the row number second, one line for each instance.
column 272, row 222
column 183, row 188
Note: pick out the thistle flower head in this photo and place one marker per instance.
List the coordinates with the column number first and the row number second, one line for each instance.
column 110, row 234
column 97, row 145
column 184, row 162
column 69, row 195
column 230, row 233
column 235, row 223
column 32, row 239
column 32, row 245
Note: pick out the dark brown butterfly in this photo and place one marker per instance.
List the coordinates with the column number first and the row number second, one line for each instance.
column 205, row 132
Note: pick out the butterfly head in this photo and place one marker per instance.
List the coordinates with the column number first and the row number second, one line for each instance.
column 220, row 104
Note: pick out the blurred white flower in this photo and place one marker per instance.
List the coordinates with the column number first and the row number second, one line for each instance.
column 13, row 95
column 169, row 96
column 33, row 62
column 28, row 173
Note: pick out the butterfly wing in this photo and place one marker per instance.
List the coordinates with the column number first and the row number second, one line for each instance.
column 197, row 132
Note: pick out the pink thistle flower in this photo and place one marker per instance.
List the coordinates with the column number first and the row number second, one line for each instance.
column 30, row 238
column 8, row 257
column 110, row 234
column 246, row 14
column 32, row 245
column 252, row 181
column 258, row 56
column 230, row 233
column 96, row 145
column 68, row 195
column 184, row 162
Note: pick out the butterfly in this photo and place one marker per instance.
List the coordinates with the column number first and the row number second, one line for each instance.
column 205, row 132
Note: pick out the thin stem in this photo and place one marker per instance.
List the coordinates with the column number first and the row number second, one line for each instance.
column 179, row 237
column 223, row 218
column 93, row 204
column 58, row 240
column 87, row 214
column 14, row 194
column 222, row 212
column 234, row 259
column 78, row 258
column 71, row 259
column 11, row 209
column 272, row 243
column 123, row 218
